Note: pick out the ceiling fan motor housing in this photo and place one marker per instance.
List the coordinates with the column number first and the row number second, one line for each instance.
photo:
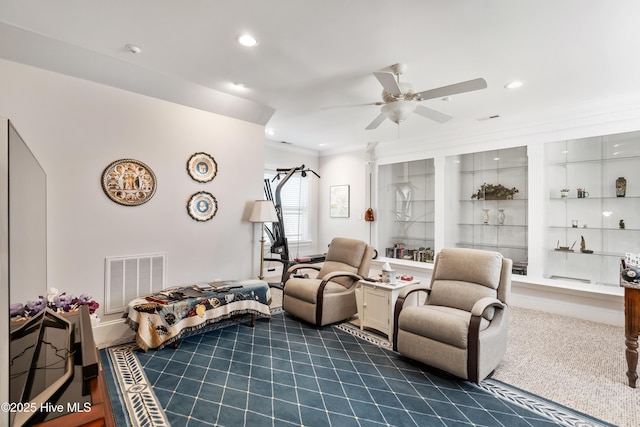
column 407, row 93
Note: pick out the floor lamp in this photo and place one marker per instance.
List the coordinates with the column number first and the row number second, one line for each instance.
column 263, row 211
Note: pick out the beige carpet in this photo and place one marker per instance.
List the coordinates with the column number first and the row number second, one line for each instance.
column 572, row 362
column 575, row 363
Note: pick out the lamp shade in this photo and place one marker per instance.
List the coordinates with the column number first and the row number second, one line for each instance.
column 263, row 211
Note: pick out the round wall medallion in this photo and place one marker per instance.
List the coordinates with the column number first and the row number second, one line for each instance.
column 202, row 167
column 129, row 182
column 202, row 206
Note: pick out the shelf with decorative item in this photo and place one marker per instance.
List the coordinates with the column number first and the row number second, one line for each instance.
column 494, row 192
column 569, row 227
column 584, row 199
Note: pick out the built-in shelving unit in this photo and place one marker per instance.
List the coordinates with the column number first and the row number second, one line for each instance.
column 406, row 210
column 588, row 233
column 482, row 222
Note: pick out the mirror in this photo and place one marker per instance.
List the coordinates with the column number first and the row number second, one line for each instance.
column 23, row 249
column 27, row 222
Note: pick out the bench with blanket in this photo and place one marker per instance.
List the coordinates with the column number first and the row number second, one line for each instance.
column 163, row 318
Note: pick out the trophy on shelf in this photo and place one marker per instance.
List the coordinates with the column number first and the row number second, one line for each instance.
column 583, row 246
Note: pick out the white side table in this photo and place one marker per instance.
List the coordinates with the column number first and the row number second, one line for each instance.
column 376, row 303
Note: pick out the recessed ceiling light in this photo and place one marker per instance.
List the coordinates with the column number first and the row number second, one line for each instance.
column 514, row 84
column 134, row 48
column 239, row 85
column 247, row 40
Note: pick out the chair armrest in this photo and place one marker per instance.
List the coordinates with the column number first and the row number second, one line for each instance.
column 484, row 303
column 408, row 290
column 473, row 337
column 330, row 276
column 294, row 269
column 402, row 296
column 323, row 284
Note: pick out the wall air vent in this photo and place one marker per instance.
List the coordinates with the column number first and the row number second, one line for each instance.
column 129, row 277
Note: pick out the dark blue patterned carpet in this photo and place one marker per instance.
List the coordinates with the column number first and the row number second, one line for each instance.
column 286, row 373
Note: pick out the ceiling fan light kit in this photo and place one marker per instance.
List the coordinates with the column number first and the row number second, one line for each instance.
column 400, row 100
column 399, row 110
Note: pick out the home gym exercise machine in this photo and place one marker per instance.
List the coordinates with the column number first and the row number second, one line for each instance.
column 276, row 234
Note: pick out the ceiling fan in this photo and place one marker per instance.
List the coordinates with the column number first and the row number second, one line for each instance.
column 400, row 100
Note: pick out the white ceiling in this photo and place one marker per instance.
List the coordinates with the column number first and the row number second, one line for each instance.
column 317, row 54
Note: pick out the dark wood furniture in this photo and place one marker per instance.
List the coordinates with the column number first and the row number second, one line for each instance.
column 631, row 328
column 84, row 400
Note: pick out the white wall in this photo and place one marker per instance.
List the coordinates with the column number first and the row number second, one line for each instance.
column 76, row 128
column 351, row 169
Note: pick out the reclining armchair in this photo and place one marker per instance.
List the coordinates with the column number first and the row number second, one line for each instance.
column 330, row 296
column 462, row 326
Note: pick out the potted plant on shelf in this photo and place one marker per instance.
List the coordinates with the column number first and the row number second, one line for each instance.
column 494, row 192
column 564, row 193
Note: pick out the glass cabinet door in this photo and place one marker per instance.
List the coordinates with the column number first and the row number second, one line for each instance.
column 406, row 210
column 593, row 207
column 486, row 200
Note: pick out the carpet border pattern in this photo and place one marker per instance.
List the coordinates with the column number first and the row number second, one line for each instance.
column 141, row 402
column 364, row 335
column 559, row 414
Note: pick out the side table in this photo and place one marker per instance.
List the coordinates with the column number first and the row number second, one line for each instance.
column 631, row 328
column 376, row 302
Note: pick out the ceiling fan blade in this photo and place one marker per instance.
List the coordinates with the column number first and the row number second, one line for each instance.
column 352, row 105
column 453, row 89
column 376, row 122
column 432, row 114
column 388, row 82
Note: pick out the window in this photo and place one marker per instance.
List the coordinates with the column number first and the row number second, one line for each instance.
column 294, row 196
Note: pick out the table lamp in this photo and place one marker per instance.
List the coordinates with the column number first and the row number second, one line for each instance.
column 263, row 211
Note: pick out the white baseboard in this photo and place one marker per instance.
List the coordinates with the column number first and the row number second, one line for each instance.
column 111, row 333
column 601, row 308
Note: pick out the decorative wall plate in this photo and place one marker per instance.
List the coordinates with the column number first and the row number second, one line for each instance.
column 202, row 206
column 129, row 182
column 202, row 167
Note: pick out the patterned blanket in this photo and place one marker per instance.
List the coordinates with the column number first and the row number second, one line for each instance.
column 160, row 323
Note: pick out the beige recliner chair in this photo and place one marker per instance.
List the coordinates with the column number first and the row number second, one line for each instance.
column 330, row 297
column 462, row 326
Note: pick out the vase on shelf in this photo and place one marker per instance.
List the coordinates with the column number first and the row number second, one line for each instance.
column 485, row 216
column 564, row 194
column 500, row 216
column 621, row 187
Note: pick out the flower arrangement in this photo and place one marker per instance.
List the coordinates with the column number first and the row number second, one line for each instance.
column 494, row 192
column 58, row 302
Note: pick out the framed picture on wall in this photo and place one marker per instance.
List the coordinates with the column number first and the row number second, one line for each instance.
column 128, row 182
column 202, row 167
column 202, row 206
column 339, row 201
